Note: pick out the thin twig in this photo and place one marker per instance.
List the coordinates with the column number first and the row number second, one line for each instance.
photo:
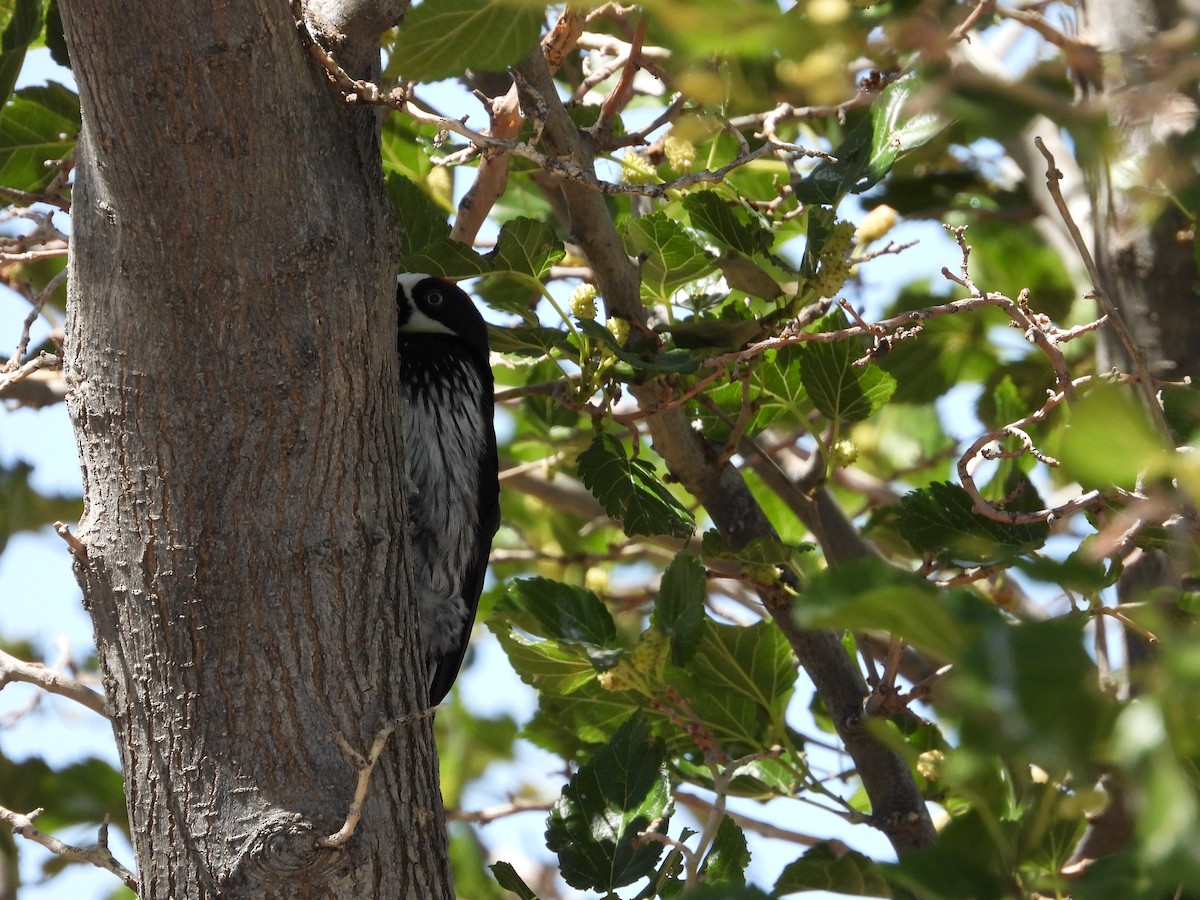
column 98, row 854
column 366, row 766
column 1141, row 367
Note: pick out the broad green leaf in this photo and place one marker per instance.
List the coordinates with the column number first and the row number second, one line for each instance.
column 620, row 792
column 526, row 246
column 838, row 389
column 1030, row 690
column 448, row 259
column 873, row 595
column 507, row 878
column 56, row 42
column 561, row 612
column 894, row 127
column 545, row 665
column 38, row 124
column 728, row 857
column 444, row 38
column 573, row 726
column 820, row 869
column 530, row 340
column 761, row 557
column 671, row 257
column 738, row 684
column 679, row 607
column 422, row 222
column 631, row 492
column 22, row 23
column 940, row 519
column 776, row 396
column 712, row 214
column 1109, row 440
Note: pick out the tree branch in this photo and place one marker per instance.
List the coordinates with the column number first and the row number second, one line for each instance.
column 98, row 855
column 17, row 670
column 898, row 808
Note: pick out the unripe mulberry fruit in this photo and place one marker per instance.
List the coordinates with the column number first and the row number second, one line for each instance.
column 583, row 301
column 680, row 153
column 636, row 169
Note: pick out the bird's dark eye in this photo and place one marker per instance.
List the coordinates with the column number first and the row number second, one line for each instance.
column 434, row 298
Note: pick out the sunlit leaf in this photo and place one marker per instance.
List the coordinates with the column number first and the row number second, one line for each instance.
column 619, row 793
column 941, row 519
column 630, row 491
column 445, row 38
column 820, row 869
column 873, row 595
column 39, row 124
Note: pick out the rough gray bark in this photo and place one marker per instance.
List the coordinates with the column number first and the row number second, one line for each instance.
column 232, row 372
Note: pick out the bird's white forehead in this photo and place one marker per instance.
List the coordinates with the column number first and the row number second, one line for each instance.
column 409, row 280
column 417, row 321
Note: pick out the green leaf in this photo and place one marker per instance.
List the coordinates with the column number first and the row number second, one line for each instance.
column 738, row 684
column 452, row 260
column 422, row 222
column 38, row 124
column 940, row 519
column 630, row 491
column 527, row 247
column 530, row 340
column 762, row 556
column 714, row 215
column 545, row 665
column 671, row 257
column 873, row 595
column 507, row 878
column 1109, row 440
column 820, row 869
column 872, row 147
column 561, row 612
column 444, row 38
column 572, row 726
column 618, row 794
column 839, row 390
column 777, row 397
column 1030, row 690
column 22, row 23
column 728, row 857
column 56, row 42
column 679, row 606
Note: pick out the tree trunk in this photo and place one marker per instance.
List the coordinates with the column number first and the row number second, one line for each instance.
column 1144, row 242
column 232, row 364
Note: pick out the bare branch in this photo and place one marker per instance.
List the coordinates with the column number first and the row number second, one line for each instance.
column 49, row 680
column 98, row 854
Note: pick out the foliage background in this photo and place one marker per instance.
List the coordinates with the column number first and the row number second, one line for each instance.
column 1037, row 707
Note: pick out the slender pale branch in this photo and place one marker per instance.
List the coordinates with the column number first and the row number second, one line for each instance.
column 98, row 854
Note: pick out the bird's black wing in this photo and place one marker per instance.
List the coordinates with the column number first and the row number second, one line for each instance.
column 489, row 522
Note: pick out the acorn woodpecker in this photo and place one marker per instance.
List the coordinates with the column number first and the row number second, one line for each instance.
column 452, row 472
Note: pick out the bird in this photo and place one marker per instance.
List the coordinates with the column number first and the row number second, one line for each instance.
column 451, row 466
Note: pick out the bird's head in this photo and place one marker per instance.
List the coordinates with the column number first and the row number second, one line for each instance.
column 429, row 305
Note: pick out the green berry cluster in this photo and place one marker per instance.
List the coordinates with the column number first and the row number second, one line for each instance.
column 583, row 302
column 636, row 169
column 641, row 668
column 680, row 153
column 834, row 266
